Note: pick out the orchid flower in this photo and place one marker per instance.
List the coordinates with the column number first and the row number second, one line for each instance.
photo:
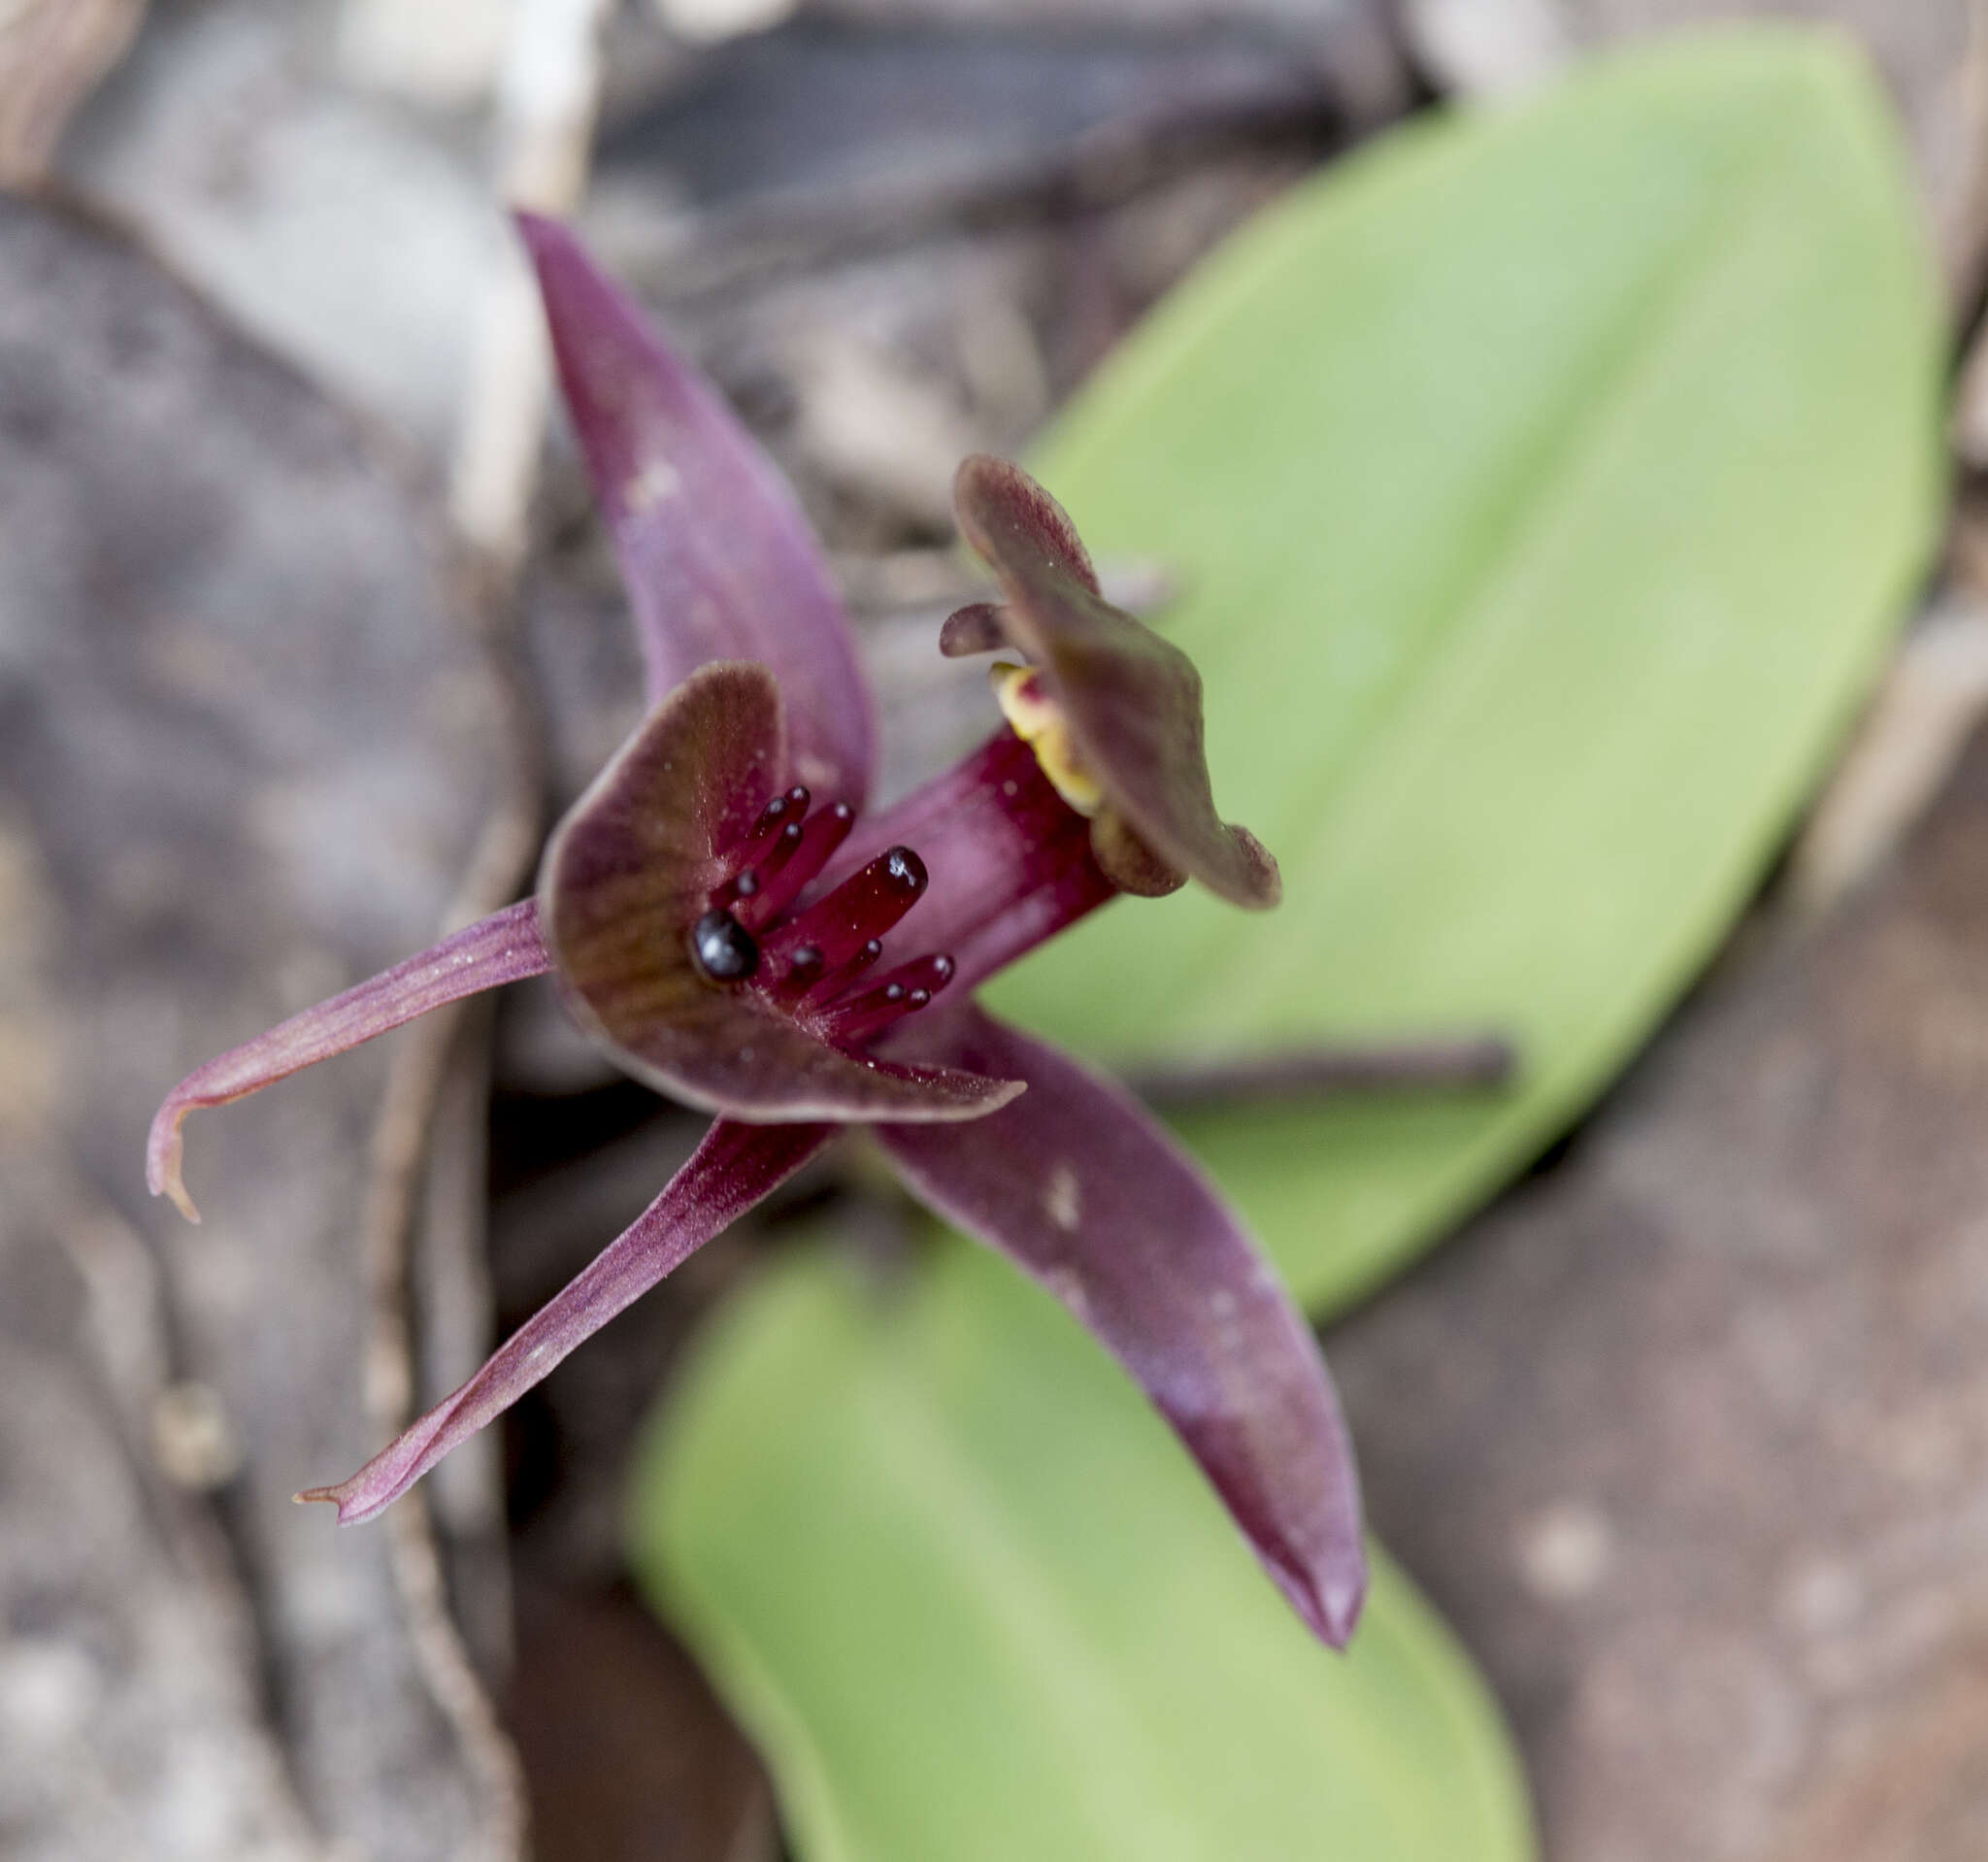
column 722, row 918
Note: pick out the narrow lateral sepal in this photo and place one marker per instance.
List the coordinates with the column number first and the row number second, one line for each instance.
column 1077, row 1185
column 500, row 948
column 734, row 1168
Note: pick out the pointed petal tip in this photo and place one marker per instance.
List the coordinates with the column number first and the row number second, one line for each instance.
column 335, row 1497
column 1330, row 1605
column 1005, row 1092
column 366, row 1494
column 164, row 1152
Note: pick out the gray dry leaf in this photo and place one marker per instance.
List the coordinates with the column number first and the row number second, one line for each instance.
column 876, row 128
column 1690, row 1436
column 51, row 54
column 240, row 766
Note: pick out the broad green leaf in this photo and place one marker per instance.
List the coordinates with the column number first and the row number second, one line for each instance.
column 975, row 1603
column 1545, row 487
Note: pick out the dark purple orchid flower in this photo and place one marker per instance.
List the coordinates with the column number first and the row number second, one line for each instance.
column 722, row 918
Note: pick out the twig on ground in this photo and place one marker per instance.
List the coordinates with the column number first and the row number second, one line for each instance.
column 1911, row 736
column 414, row 1083
column 1470, row 1064
column 545, row 125
column 131, row 1332
column 454, row 1296
column 52, row 54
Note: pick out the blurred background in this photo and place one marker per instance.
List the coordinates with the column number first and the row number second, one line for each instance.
column 306, row 630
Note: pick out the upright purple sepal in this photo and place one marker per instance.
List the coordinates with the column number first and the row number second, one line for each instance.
column 735, row 1167
column 718, row 557
column 500, row 948
column 1078, row 1185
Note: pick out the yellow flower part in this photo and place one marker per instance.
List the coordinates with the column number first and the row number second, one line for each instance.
column 1037, row 721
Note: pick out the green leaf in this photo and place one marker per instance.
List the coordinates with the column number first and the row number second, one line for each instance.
column 1544, row 486
column 973, row 1603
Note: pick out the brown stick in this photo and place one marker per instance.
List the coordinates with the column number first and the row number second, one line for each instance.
column 415, row 1084
column 1470, row 1064
column 544, row 130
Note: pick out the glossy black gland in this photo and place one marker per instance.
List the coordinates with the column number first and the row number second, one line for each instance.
column 724, row 948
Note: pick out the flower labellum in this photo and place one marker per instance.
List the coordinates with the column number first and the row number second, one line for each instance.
column 722, row 917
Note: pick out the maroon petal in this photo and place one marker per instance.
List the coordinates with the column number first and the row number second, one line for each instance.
column 1011, row 862
column 632, row 868
column 735, row 1167
column 1133, row 700
column 500, row 948
column 1078, row 1185
column 718, row 557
